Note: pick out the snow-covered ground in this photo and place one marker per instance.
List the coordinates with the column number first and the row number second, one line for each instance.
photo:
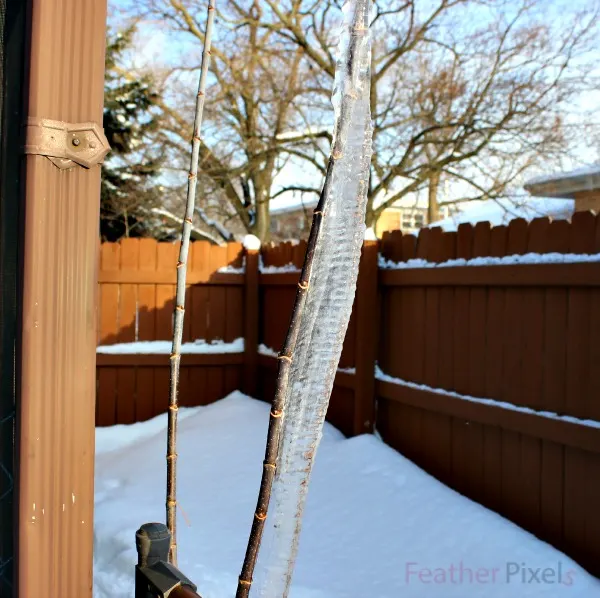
column 376, row 526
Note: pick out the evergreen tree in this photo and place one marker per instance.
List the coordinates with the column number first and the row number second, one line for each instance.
column 129, row 187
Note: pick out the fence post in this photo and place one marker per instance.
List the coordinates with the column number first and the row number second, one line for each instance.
column 365, row 354
column 251, row 314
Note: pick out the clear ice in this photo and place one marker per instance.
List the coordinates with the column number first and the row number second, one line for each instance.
column 328, row 306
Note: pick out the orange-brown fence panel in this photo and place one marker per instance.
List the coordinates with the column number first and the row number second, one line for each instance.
column 519, row 334
column 136, row 298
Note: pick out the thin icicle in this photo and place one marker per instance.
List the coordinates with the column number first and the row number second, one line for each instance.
column 328, row 305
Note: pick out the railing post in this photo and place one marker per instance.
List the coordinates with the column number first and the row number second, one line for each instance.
column 367, row 316
column 154, row 575
column 251, row 316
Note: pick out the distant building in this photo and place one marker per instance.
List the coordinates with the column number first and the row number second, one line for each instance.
column 501, row 211
column 408, row 219
column 555, row 196
column 581, row 185
column 293, row 222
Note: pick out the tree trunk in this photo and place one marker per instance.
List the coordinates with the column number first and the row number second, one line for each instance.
column 371, row 217
column 262, row 221
column 433, row 208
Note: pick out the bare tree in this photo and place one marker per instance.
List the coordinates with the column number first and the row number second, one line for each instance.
column 255, row 123
column 469, row 90
column 472, row 93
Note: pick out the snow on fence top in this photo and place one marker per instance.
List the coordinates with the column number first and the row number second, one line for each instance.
column 269, row 352
column 276, row 269
column 233, row 269
column 383, row 377
column 559, row 240
column 251, row 243
column 507, row 260
column 164, row 347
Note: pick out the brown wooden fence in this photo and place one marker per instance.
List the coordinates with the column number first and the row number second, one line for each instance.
column 523, row 334
column 136, row 299
column 526, row 335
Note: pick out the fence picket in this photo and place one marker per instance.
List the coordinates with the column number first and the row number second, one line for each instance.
column 298, row 254
column 539, row 230
column 597, row 235
column 462, row 304
column 109, row 294
column 186, row 390
column 409, row 248
column 583, row 232
column 366, row 334
column 217, row 295
column 578, row 323
column 251, row 323
column 166, row 259
column 478, row 317
column 512, row 391
column 108, row 333
column 199, row 304
column 467, row 436
column 395, row 244
column 235, row 254
column 146, row 329
column 147, row 292
column 432, row 316
column 129, row 254
column 436, row 428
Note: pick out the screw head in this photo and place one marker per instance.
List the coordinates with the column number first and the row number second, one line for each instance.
column 76, row 141
column 93, row 144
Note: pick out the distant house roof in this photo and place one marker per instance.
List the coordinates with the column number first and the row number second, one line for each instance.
column 566, row 184
column 503, row 211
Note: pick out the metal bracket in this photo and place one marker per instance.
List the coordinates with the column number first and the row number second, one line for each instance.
column 66, row 144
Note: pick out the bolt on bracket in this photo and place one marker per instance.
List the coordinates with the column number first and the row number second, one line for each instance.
column 66, row 144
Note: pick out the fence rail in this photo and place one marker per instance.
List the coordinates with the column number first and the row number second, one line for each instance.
column 521, row 275
column 521, row 337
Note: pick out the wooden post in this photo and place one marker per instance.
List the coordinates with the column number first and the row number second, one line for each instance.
column 367, row 316
column 251, row 315
column 56, row 348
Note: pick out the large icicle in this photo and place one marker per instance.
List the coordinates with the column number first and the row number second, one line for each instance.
column 328, row 305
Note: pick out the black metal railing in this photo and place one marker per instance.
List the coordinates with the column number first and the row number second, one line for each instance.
column 155, row 577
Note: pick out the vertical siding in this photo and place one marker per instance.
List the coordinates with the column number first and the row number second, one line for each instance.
column 57, row 349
